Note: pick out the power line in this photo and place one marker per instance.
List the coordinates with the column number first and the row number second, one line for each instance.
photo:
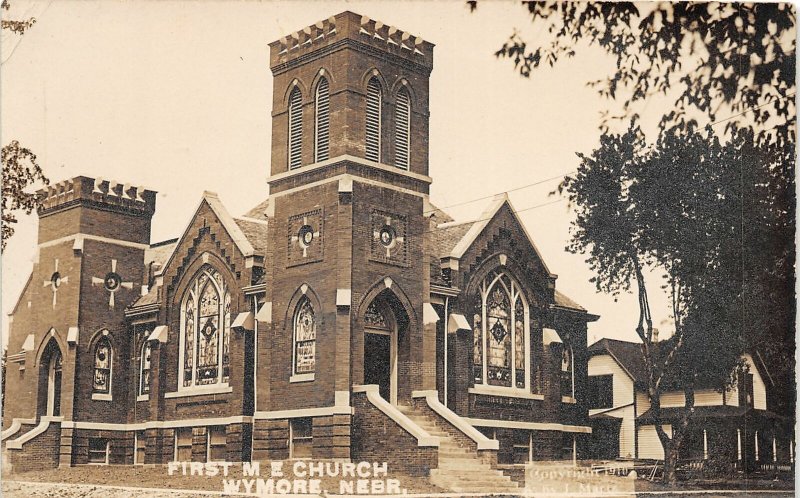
column 516, row 211
column 538, row 182
column 777, row 97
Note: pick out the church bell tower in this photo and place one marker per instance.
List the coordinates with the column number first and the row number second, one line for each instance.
column 349, row 187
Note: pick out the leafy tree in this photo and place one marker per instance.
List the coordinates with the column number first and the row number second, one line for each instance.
column 682, row 208
column 734, row 58
column 20, row 172
column 20, row 169
column 18, row 27
column 672, row 205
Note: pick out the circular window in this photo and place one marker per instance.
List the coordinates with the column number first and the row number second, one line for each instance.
column 387, row 235
column 55, row 280
column 112, row 281
column 306, row 235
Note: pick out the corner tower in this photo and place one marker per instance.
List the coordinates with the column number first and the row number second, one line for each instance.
column 347, row 282
column 70, row 317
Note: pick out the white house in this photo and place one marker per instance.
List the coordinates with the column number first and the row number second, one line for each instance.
column 734, row 424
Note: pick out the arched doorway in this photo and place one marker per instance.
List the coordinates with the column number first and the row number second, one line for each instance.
column 384, row 324
column 50, row 377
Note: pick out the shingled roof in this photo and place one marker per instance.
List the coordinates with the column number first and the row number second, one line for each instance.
column 627, row 354
column 255, row 231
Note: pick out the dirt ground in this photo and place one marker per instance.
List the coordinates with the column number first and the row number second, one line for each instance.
column 82, row 482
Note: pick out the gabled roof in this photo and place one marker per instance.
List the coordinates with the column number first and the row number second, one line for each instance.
column 477, row 227
column 160, row 252
column 230, row 225
column 447, row 235
column 258, row 212
column 255, row 231
column 564, row 301
column 627, row 354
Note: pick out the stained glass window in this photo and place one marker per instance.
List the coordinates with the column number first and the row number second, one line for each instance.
column 305, row 337
column 477, row 348
column 374, row 317
column 188, row 352
column 144, row 374
column 567, row 375
column 206, row 330
column 519, row 344
column 500, row 351
column 102, row 367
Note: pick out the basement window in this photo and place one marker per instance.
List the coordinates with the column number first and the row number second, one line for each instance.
column 300, row 438
column 522, row 447
column 217, row 443
column 98, row 450
column 140, row 444
column 183, row 444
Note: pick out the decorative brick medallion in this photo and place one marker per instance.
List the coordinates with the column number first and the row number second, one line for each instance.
column 305, row 238
column 388, row 244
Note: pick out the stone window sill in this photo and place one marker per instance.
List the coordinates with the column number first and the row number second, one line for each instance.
column 101, row 397
column 306, row 377
column 568, row 399
column 143, row 397
column 199, row 391
column 504, row 391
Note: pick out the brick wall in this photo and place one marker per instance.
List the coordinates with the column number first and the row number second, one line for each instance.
column 377, row 438
column 40, row 453
column 349, row 59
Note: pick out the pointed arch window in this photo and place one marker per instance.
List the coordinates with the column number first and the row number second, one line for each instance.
column 567, row 372
column 501, row 334
column 205, row 331
column 295, row 129
column 144, row 368
column 305, row 339
column 373, row 124
column 103, row 357
column 322, row 121
column 402, row 132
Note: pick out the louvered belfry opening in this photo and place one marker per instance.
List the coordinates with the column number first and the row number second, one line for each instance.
column 295, row 129
column 373, row 143
column 322, row 124
column 402, row 132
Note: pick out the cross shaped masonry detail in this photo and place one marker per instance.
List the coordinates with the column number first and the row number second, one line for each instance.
column 112, row 282
column 305, row 236
column 56, row 280
column 387, row 236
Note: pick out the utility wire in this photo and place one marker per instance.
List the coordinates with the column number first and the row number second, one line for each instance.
column 538, row 182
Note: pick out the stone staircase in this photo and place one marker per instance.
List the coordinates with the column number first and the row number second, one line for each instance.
column 460, row 470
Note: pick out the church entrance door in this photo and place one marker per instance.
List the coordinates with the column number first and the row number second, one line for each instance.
column 54, row 385
column 380, row 362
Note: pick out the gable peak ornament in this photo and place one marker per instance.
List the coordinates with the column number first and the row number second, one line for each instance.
column 112, row 281
column 55, row 282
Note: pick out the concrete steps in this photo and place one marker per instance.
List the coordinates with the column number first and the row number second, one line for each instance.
column 460, row 469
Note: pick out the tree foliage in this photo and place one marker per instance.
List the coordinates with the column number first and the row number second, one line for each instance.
column 734, row 58
column 20, row 172
column 716, row 220
column 20, row 169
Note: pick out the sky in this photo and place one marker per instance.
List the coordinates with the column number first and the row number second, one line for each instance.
column 176, row 96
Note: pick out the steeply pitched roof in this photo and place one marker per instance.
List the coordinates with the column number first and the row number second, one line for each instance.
column 256, row 233
column 564, row 301
column 445, row 237
column 159, row 252
column 627, row 354
column 257, row 212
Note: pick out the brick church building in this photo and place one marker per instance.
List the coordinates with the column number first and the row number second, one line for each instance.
column 344, row 317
